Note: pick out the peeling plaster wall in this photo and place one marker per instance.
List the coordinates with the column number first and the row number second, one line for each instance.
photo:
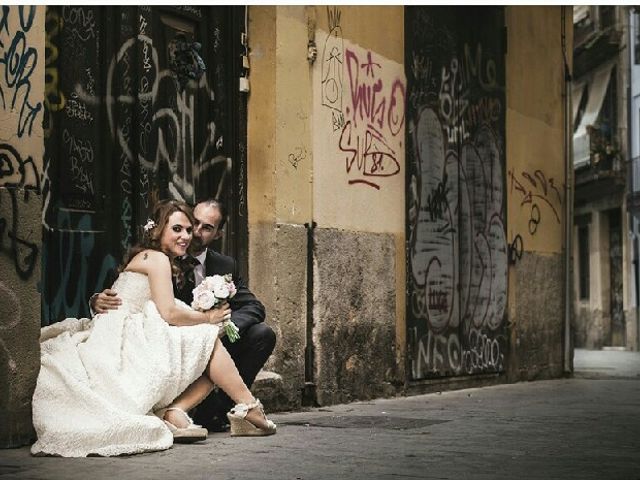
column 21, row 152
column 354, row 313
column 284, row 292
column 539, row 329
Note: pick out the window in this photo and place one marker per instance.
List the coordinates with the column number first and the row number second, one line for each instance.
column 583, row 24
column 583, row 261
column 603, row 141
column 580, row 106
column 599, row 111
column 636, row 37
column 607, row 16
column 608, row 113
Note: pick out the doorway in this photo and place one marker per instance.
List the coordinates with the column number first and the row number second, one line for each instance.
column 141, row 104
column 456, row 208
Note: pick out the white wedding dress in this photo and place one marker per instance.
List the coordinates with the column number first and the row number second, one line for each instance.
column 101, row 379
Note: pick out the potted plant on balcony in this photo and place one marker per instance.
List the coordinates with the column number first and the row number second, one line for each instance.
column 605, row 152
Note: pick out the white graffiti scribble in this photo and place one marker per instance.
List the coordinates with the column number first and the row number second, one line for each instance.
column 458, row 244
column 174, row 125
column 332, row 66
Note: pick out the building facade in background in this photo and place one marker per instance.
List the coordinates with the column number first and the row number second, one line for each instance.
column 397, row 178
column 633, row 182
column 605, row 245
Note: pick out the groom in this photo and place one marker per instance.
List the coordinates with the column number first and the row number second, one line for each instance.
column 257, row 340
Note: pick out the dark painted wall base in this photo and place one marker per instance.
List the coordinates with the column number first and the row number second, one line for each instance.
column 16, row 429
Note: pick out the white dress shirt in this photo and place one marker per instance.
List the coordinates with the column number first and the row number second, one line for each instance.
column 199, row 271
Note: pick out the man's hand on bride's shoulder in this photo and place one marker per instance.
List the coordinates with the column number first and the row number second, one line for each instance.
column 219, row 314
column 104, row 301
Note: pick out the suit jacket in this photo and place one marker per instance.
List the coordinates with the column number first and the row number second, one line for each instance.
column 246, row 309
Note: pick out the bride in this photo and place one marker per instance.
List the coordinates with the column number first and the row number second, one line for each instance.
column 121, row 383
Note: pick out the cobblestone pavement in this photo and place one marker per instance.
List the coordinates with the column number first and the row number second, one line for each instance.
column 587, row 427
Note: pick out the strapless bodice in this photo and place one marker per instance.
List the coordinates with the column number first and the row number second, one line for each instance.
column 133, row 289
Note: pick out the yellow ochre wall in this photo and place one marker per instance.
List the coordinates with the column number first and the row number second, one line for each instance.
column 535, row 135
column 318, row 205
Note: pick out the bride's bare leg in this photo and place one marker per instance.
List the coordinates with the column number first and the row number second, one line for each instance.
column 191, row 397
column 223, row 372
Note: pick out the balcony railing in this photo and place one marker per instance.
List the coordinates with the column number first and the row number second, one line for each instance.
column 605, row 178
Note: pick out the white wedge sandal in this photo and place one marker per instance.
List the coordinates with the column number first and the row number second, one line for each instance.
column 189, row 434
column 241, row 427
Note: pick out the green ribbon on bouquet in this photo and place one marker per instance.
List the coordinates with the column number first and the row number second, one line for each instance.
column 231, row 330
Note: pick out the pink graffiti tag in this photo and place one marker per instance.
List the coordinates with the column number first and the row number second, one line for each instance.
column 396, row 107
column 373, row 157
column 368, row 67
column 380, row 109
column 368, row 102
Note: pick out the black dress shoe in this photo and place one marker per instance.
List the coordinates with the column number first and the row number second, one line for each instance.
column 215, row 424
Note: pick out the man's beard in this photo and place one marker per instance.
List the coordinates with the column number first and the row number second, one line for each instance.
column 195, row 247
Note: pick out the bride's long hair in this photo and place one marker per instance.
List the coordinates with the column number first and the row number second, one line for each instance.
column 152, row 231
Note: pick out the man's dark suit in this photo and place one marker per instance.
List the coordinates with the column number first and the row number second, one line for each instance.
column 253, row 348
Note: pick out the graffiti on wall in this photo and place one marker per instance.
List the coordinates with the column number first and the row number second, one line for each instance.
column 166, row 137
column 538, row 195
column 366, row 98
column 458, row 253
column 22, row 249
column 71, row 185
column 54, row 99
column 19, row 174
column 18, row 60
column 332, row 69
column 74, row 256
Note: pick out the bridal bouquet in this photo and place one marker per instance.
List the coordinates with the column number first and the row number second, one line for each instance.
column 213, row 291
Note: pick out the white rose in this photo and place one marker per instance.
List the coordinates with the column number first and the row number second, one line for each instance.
column 221, row 290
column 203, row 300
column 211, row 282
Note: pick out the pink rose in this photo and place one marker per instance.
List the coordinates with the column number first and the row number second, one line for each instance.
column 203, row 300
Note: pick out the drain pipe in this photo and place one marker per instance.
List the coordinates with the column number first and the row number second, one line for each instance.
column 568, row 199
column 632, row 222
column 635, row 255
column 309, row 394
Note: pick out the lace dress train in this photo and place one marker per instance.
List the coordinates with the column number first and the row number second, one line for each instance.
column 101, row 379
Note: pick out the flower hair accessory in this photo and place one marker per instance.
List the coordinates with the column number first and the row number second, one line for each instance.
column 149, row 225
